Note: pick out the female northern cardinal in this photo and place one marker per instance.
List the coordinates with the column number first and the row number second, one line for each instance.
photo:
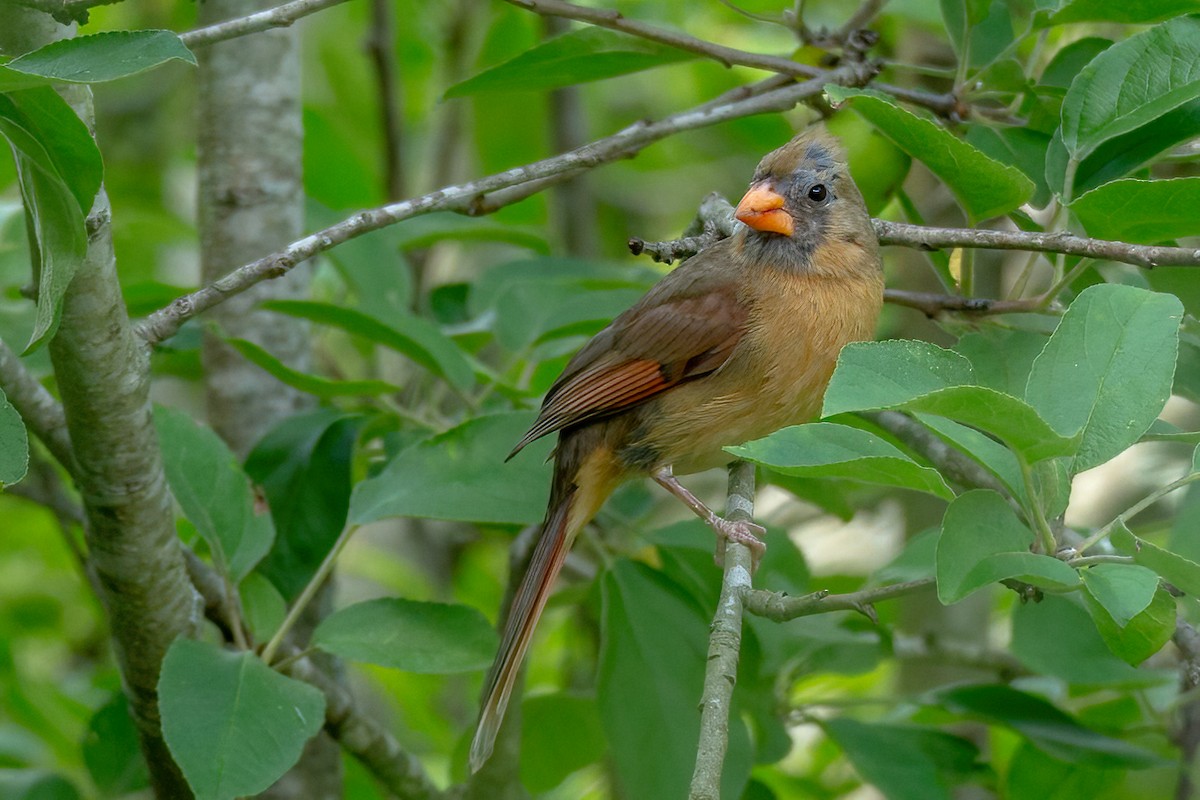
column 736, row 342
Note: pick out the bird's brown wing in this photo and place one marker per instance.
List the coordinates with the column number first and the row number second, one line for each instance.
column 686, row 327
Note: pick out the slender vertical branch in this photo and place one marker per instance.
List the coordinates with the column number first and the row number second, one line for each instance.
column 724, row 645
column 381, row 47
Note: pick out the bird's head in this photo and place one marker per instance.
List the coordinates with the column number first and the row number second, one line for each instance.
column 801, row 198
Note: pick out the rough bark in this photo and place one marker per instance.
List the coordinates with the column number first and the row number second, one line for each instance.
column 102, row 370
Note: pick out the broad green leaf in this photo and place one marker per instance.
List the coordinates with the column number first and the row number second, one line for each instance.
column 1033, row 775
column 1001, row 358
column 531, row 312
column 303, row 465
column 923, row 378
column 590, row 54
column 233, row 724
column 1024, row 148
column 825, row 450
column 1045, row 726
column 324, row 388
column 263, row 607
column 1124, row 590
column 461, row 475
column 1132, row 83
column 14, row 444
column 40, row 125
column 1183, row 573
column 983, row 542
column 959, row 17
column 1106, row 371
column 1057, row 637
column 103, row 56
column 1127, row 11
column 985, row 187
column 1162, row 431
column 904, row 762
column 653, row 647
column 111, row 752
column 872, row 375
column 13, row 81
column 411, row 336
column 213, row 492
column 434, row 638
column 1142, row 636
column 1071, row 59
column 997, row 458
column 560, row 733
column 1148, row 212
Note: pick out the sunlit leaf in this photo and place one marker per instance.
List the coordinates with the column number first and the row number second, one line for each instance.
column 103, row 56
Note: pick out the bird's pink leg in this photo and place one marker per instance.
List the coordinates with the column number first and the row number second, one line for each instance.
column 745, row 533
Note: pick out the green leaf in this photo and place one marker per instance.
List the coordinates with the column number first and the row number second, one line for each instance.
column 959, row 17
column 103, row 56
column 303, row 465
column 997, row 458
column 1143, row 635
column 111, row 752
column 1024, row 148
column 461, row 475
column 1057, row 638
column 904, row 762
column 983, row 542
column 1001, row 359
column 1133, row 210
column 1045, row 726
column 413, row 337
column 1124, row 590
column 653, row 647
column 233, row 724
column 431, row 638
column 1127, row 11
column 923, row 378
column 1106, row 371
column 41, row 126
column 31, row 784
column 14, row 444
column 263, row 607
column 825, row 450
column 590, row 54
column 429, row 229
column 213, row 492
column 324, row 388
column 1183, row 573
column 1132, row 83
column 1033, row 775
column 985, row 187
column 560, row 733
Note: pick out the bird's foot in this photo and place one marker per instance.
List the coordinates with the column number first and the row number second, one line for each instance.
column 744, row 533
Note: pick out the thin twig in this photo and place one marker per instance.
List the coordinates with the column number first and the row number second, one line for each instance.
column 166, row 321
column 933, row 305
column 42, row 414
column 925, row 238
column 781, row 608
column 724, row 644
column 279, row 17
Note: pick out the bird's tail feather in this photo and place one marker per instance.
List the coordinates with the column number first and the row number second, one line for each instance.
column 548, row 556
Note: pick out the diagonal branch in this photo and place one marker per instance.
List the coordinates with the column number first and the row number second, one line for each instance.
column 278, row 17
column 781, row 608
column 42, row 414
column 464, row 197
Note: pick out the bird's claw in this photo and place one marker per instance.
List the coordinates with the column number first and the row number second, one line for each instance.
column 744, row 533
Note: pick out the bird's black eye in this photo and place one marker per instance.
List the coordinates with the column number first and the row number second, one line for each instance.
column 817, row 193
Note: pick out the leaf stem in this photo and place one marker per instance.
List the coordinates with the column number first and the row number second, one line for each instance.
column 1045, row 536
column 307, row 595
column 1137, row 508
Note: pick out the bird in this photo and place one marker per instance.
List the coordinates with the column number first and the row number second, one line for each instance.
column 736, row 342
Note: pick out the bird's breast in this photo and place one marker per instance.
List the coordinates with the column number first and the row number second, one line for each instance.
column 777, row 374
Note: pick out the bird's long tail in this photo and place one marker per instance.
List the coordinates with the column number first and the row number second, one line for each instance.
column 551, row 551
column 580, row 487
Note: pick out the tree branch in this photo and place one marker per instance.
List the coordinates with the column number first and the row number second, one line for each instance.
column 278, row 17
column 724, row 645
column 943, row 104
column 381, row 47
column 923, row 238
column 464, row 197
column 43, row 415
column 932, row 305
column 781, row 608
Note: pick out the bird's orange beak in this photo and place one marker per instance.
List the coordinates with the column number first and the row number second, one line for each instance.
column 762, row 209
